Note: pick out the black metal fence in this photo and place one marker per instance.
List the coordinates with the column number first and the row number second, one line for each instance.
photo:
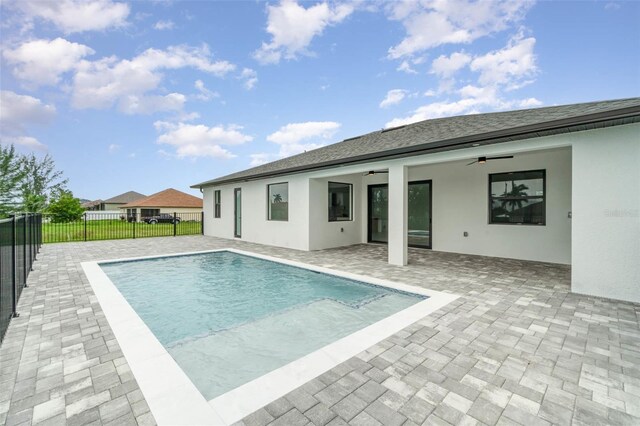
column 95, row 225
column 20, row 240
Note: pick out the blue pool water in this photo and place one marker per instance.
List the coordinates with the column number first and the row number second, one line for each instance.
column 228, row 318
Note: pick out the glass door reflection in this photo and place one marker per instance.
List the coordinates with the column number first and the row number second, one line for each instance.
column 419, row 212
column 378, row 213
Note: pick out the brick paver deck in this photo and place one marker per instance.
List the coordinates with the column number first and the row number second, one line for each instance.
column 515, row 348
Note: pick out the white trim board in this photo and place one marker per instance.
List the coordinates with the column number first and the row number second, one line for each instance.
column 174, row 399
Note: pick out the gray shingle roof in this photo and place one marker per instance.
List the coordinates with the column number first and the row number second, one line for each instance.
column 125, row 198
column 450, row 133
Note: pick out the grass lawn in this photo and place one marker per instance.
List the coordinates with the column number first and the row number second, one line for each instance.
column 112, row 230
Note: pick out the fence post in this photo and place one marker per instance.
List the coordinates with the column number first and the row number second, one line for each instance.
column 14, row 260
column 135, row 219
column 201, row 223
column 174, row 223
column 24, row 248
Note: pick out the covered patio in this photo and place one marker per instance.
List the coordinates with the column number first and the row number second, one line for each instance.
column 516, row 348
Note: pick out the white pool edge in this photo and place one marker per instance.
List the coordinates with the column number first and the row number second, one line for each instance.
column 174, row 399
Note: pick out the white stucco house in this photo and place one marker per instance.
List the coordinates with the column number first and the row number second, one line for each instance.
column 565, row 189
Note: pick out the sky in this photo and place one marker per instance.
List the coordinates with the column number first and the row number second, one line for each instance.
column 147, row 95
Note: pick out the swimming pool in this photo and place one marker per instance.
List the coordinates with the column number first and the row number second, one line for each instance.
column 242, row 329
column 228, row 318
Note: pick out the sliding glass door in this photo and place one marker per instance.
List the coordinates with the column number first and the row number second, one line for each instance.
column 378, row 213
column 420, row 214
column 237, row 211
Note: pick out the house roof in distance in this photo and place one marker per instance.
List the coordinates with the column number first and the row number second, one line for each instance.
column 168, row 198
column 127, row 197
column 89, row 204
column 444, row 134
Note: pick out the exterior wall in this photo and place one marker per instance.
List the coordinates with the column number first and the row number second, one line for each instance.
column 111, row 206
column 184, row 213
column 606, row 213
column 293, row 233
column 461, row 203
column 594, row 174
column 324, row 234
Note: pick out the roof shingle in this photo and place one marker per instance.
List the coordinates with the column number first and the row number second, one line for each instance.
column 450, row 133
column 127, row 197
column 167, row 198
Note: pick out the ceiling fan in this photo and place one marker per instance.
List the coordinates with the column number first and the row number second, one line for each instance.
column 482, row 160
column 375, row 172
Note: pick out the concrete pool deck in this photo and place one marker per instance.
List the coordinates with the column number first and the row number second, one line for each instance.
column 515, row 348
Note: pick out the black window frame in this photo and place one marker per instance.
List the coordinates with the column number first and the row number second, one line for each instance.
column 336, row 219
column 543, row 196
column 144, row 213
column 217, row 204
column 269, row 202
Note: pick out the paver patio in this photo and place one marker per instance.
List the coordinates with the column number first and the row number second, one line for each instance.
column 515, row 348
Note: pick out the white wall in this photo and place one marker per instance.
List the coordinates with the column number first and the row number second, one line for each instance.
column 324, row 234
column 293, row 233
column 461, row 203
column 606, row 213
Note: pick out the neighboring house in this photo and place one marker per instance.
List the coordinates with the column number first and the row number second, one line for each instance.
column 114, row 203
column 167, row 201
column 96, row 205
column 567, row 192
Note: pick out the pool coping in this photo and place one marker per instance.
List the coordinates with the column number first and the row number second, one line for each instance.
column 174, row 399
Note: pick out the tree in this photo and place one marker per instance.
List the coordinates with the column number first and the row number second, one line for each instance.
column 11, row 176
column 277, row 198
column 515, row 197
column 66, row 208
column 41, row 183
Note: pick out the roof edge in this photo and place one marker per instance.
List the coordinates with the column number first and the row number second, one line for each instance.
column 521, row 132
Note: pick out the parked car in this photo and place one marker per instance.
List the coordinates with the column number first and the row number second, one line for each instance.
column 161, row 218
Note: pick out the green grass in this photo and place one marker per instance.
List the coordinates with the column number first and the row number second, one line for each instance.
column 113, row 230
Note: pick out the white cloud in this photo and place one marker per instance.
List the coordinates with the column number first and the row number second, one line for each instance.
column 250, row 78
column 23, row 141
column 134, row 104
column 205, row 94
column 261, row 158
column 164, row 25
column 292, row 28
column 72, row 16
column 113, row 148
column 446, row 66
column 198, row 140
column 431, row 24
column 474, row 99
column 18, row 112
column 291, row 136
column 405, row 66
column 507, row 66
column 529, row 103
column 102, row 83
column 42, row 62
column 393, row 97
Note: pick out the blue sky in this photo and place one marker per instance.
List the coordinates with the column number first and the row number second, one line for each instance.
column 148, row 95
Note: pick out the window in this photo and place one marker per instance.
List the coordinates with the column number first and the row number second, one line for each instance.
column 340, row 195
column 517, row 198
column 149, row 213
column 278, row 201
column 216, row 203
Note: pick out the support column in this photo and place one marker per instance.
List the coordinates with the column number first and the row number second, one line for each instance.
column 398, row 215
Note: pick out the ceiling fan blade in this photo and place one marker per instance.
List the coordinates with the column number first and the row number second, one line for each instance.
column 500, row 158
